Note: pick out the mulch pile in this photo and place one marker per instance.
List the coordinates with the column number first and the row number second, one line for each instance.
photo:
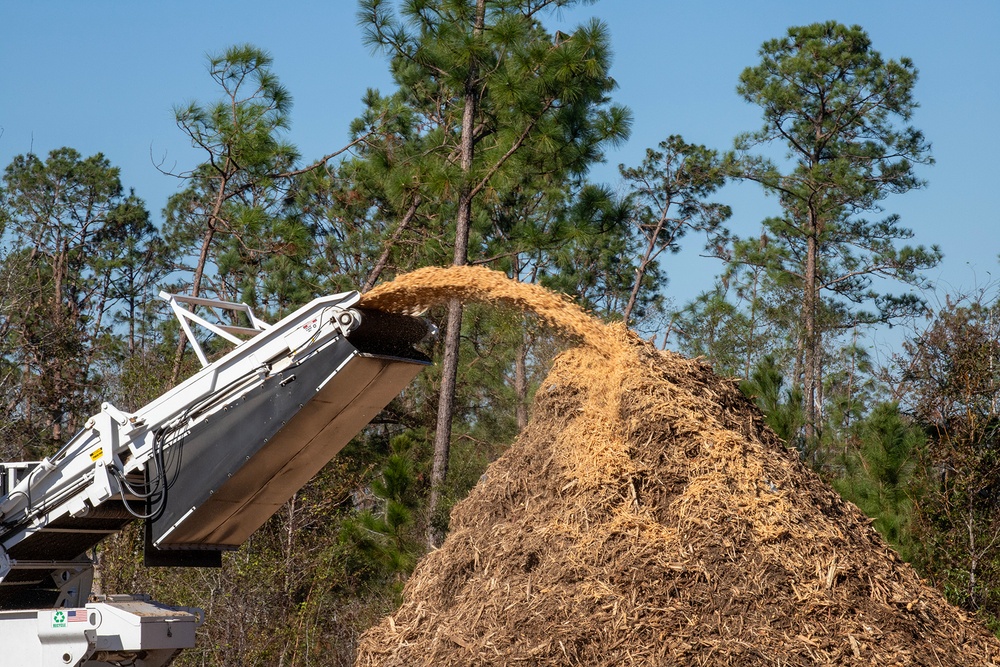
column 646, row 516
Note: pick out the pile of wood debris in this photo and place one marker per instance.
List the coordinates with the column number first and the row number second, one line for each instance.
column 647, row 516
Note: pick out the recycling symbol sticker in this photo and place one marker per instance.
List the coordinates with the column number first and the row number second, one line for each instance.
column 59, row 619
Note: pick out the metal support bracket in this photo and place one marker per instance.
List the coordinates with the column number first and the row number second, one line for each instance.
column 228, row 332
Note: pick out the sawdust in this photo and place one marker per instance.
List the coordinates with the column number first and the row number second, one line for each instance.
column 646, row 516
column 417, row 291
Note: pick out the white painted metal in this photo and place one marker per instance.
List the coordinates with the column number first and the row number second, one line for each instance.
column 87, row 470
column 184, row 316
column 124, row 629
column 91, row 468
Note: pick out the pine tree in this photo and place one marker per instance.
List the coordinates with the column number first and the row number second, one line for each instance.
column 882, row 474
column 842, row 113
column 491, row 97
column 68, row 226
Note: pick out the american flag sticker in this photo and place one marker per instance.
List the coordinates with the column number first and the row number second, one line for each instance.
column 76, row 616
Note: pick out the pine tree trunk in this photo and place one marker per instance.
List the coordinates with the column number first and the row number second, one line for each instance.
column 521, row 381
column 453, row 336
column 811, row 336
column 446, row 409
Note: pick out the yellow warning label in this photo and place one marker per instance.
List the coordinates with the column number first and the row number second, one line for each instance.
column 96, row 454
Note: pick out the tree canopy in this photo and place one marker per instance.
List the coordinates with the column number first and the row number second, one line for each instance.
column 842, row 114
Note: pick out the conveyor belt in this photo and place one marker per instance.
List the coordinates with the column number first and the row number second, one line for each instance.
column 250, row 431
column 241, row 465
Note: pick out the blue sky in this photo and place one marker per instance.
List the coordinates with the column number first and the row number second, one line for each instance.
column 103, row 76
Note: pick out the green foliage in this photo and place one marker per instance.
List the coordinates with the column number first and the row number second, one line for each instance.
column 950, row 380
column 579, row 243
column 747, row 315
column 73, row 250
column 242, row 129
column 491, row 108
column 714, row 328
column 781, row 405
column 231, row 218
column 350, row 219
column 666, row 197
column 841, row 111
column 541, row 119
column 384, row 538
column 882, row 474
